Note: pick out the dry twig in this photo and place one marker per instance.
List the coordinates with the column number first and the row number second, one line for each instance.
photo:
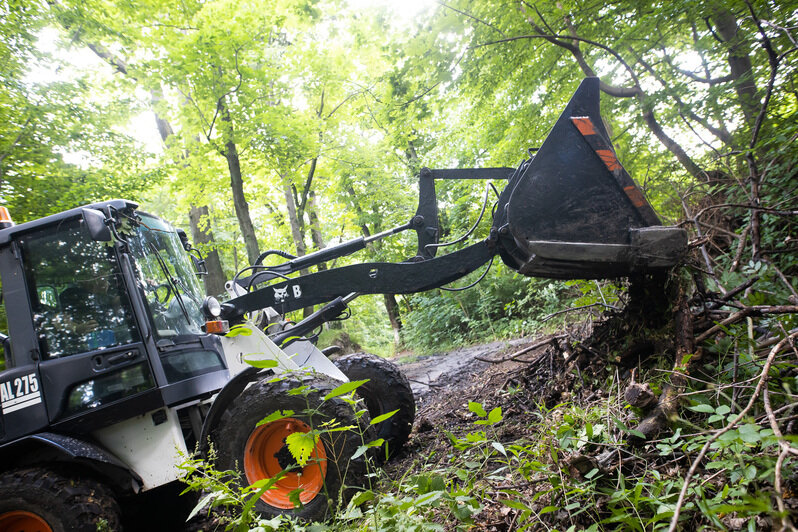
column 763, row 378
column 523, row 351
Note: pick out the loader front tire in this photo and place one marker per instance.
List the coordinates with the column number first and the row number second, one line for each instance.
column 42, row 500
column 258, row 452
column 387, row 390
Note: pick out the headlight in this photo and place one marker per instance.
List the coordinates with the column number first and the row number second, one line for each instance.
column 211, row 307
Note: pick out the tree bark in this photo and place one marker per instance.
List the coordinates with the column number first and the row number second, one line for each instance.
column 230, row 153
column 392, row 307
column 315, row 227
column 739, row 63
column 297, row 231
column 201, row 233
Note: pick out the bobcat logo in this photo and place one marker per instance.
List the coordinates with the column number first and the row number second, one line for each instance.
column 281, row 294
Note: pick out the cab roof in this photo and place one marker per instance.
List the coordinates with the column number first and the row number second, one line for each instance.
column 6, row 235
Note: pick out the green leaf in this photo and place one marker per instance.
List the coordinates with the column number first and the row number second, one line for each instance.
column 429, row 498
column 621, row 425
column 293, row 496
column 201, row 504
column 703, row 408
column 301, row 445
column 499, row 447
column 344, row 389
column 262, row 364
column 383, row 417
column 495, row 415
column 363, row 448
column 516, row 505
column 477, row 408
column 262, row 485
column 299, row 390
column 361, row 497
column 239, row 330
column 637, row 492
column 274, row 416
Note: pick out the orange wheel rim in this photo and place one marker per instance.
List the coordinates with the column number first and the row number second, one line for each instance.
column 21, row 521
column 266, row 455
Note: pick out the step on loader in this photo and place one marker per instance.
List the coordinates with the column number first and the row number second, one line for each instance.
column 117, row 367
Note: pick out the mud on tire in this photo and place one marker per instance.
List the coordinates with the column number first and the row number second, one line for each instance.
column 261, row 452
column 37, row 498
column 387, row 390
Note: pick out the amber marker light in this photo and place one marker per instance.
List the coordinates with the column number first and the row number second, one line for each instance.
column 5, row 219
column 217, row 327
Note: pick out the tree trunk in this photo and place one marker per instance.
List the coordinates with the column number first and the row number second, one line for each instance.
column 201, row 234
column 230, row 153
column 393, row 314
column 315, row 228
column 297, row 231
column 739, row 63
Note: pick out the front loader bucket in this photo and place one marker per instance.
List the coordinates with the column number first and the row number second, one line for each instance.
column 573, row 212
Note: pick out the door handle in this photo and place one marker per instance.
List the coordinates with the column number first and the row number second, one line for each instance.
column 121, row 357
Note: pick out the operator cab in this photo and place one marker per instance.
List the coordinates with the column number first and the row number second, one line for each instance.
column 106, row 321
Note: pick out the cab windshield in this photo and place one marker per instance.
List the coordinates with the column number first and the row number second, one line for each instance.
column 166, row 275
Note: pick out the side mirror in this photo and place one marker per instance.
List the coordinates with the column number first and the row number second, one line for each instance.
column 199, row 263
column 95, row 222
column 184, row 239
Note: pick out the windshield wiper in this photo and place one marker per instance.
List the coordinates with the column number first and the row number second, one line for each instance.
column 171, row 280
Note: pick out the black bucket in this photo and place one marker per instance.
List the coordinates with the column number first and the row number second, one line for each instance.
column 573, row 212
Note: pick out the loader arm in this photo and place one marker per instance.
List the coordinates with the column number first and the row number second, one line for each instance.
column 569, row 212
column 366, row 278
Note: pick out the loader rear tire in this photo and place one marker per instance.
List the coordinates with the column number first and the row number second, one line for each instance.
column 387, row 390
column 258, row 452
column 42, row 500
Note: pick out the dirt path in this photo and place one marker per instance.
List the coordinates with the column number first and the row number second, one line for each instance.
column 443, row 385
column 431, row 374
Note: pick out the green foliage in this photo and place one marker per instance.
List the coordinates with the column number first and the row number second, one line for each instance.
column 502, row 305
column 62, row 135
column 222, row 489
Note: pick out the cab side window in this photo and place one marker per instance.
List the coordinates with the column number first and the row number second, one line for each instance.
column 76, row 291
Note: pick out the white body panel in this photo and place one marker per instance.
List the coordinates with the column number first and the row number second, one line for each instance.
column 152, row 451
column 252, row 344
column 307, row 355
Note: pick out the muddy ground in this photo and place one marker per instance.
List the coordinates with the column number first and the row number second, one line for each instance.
column 451, row 370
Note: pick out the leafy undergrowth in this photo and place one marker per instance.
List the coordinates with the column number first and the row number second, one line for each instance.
column 547, row 440
column 544, row 446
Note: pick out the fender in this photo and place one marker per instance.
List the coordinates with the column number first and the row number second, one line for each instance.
column 51, row 447
column 230, row 391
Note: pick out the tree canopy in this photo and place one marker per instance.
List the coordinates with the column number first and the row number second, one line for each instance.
column 293, row 124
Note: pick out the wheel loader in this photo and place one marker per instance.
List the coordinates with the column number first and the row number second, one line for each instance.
column 117, row 367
